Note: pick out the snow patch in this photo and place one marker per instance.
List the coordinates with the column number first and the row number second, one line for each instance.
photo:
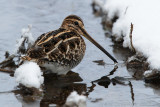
column 132, row 58
column 29, row 74
column 26, row 32
column 144, row 14
column 149, row 73
column 75, row 100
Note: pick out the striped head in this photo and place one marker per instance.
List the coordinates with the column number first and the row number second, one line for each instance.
column 75, row 24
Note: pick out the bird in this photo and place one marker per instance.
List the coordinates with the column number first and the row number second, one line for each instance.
column 61, row 50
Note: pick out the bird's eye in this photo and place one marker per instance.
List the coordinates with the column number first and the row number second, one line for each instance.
column 76, row 23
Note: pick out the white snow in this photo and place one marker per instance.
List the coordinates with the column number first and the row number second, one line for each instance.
column 132, row 58
column 26, row 33
column 76, row 100
column 29, row 74
column 145, row 16
column 149, row 73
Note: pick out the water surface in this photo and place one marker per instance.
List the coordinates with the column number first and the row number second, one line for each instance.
column 89, row 77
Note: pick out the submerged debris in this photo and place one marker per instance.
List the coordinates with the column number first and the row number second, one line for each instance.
column 99, row 62
column 136, row 65
column 96, row 100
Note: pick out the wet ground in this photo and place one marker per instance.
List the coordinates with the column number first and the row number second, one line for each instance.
column 104, row 84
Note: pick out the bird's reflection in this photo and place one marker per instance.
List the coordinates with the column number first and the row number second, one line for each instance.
column 58, row 88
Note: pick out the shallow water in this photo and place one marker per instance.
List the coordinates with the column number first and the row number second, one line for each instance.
column 46, row 16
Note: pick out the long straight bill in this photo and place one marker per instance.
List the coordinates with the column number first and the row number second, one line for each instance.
column 86, row 35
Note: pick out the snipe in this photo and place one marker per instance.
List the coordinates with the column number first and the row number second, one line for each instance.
column 63, row 49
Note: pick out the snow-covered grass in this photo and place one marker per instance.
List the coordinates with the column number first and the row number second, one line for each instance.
column 25, row 34
column 76, row 100
column 145, row 16
column 29, row 74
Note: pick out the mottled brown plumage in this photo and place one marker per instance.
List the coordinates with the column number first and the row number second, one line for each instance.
column 61, row 50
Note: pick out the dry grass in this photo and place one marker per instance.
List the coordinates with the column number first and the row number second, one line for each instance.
column 130, row 35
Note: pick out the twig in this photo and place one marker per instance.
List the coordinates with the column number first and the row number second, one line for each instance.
column 93, row 7
column 132, row 92
column 131, row 30
column 7, row 59
column 126, row 10
column 7, row 54
column 91, row 88
column 22, row 48
column 113, row 71
column 6, row 71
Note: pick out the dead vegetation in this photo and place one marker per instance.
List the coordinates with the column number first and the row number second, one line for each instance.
column 11, row 62
column 131, row 41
